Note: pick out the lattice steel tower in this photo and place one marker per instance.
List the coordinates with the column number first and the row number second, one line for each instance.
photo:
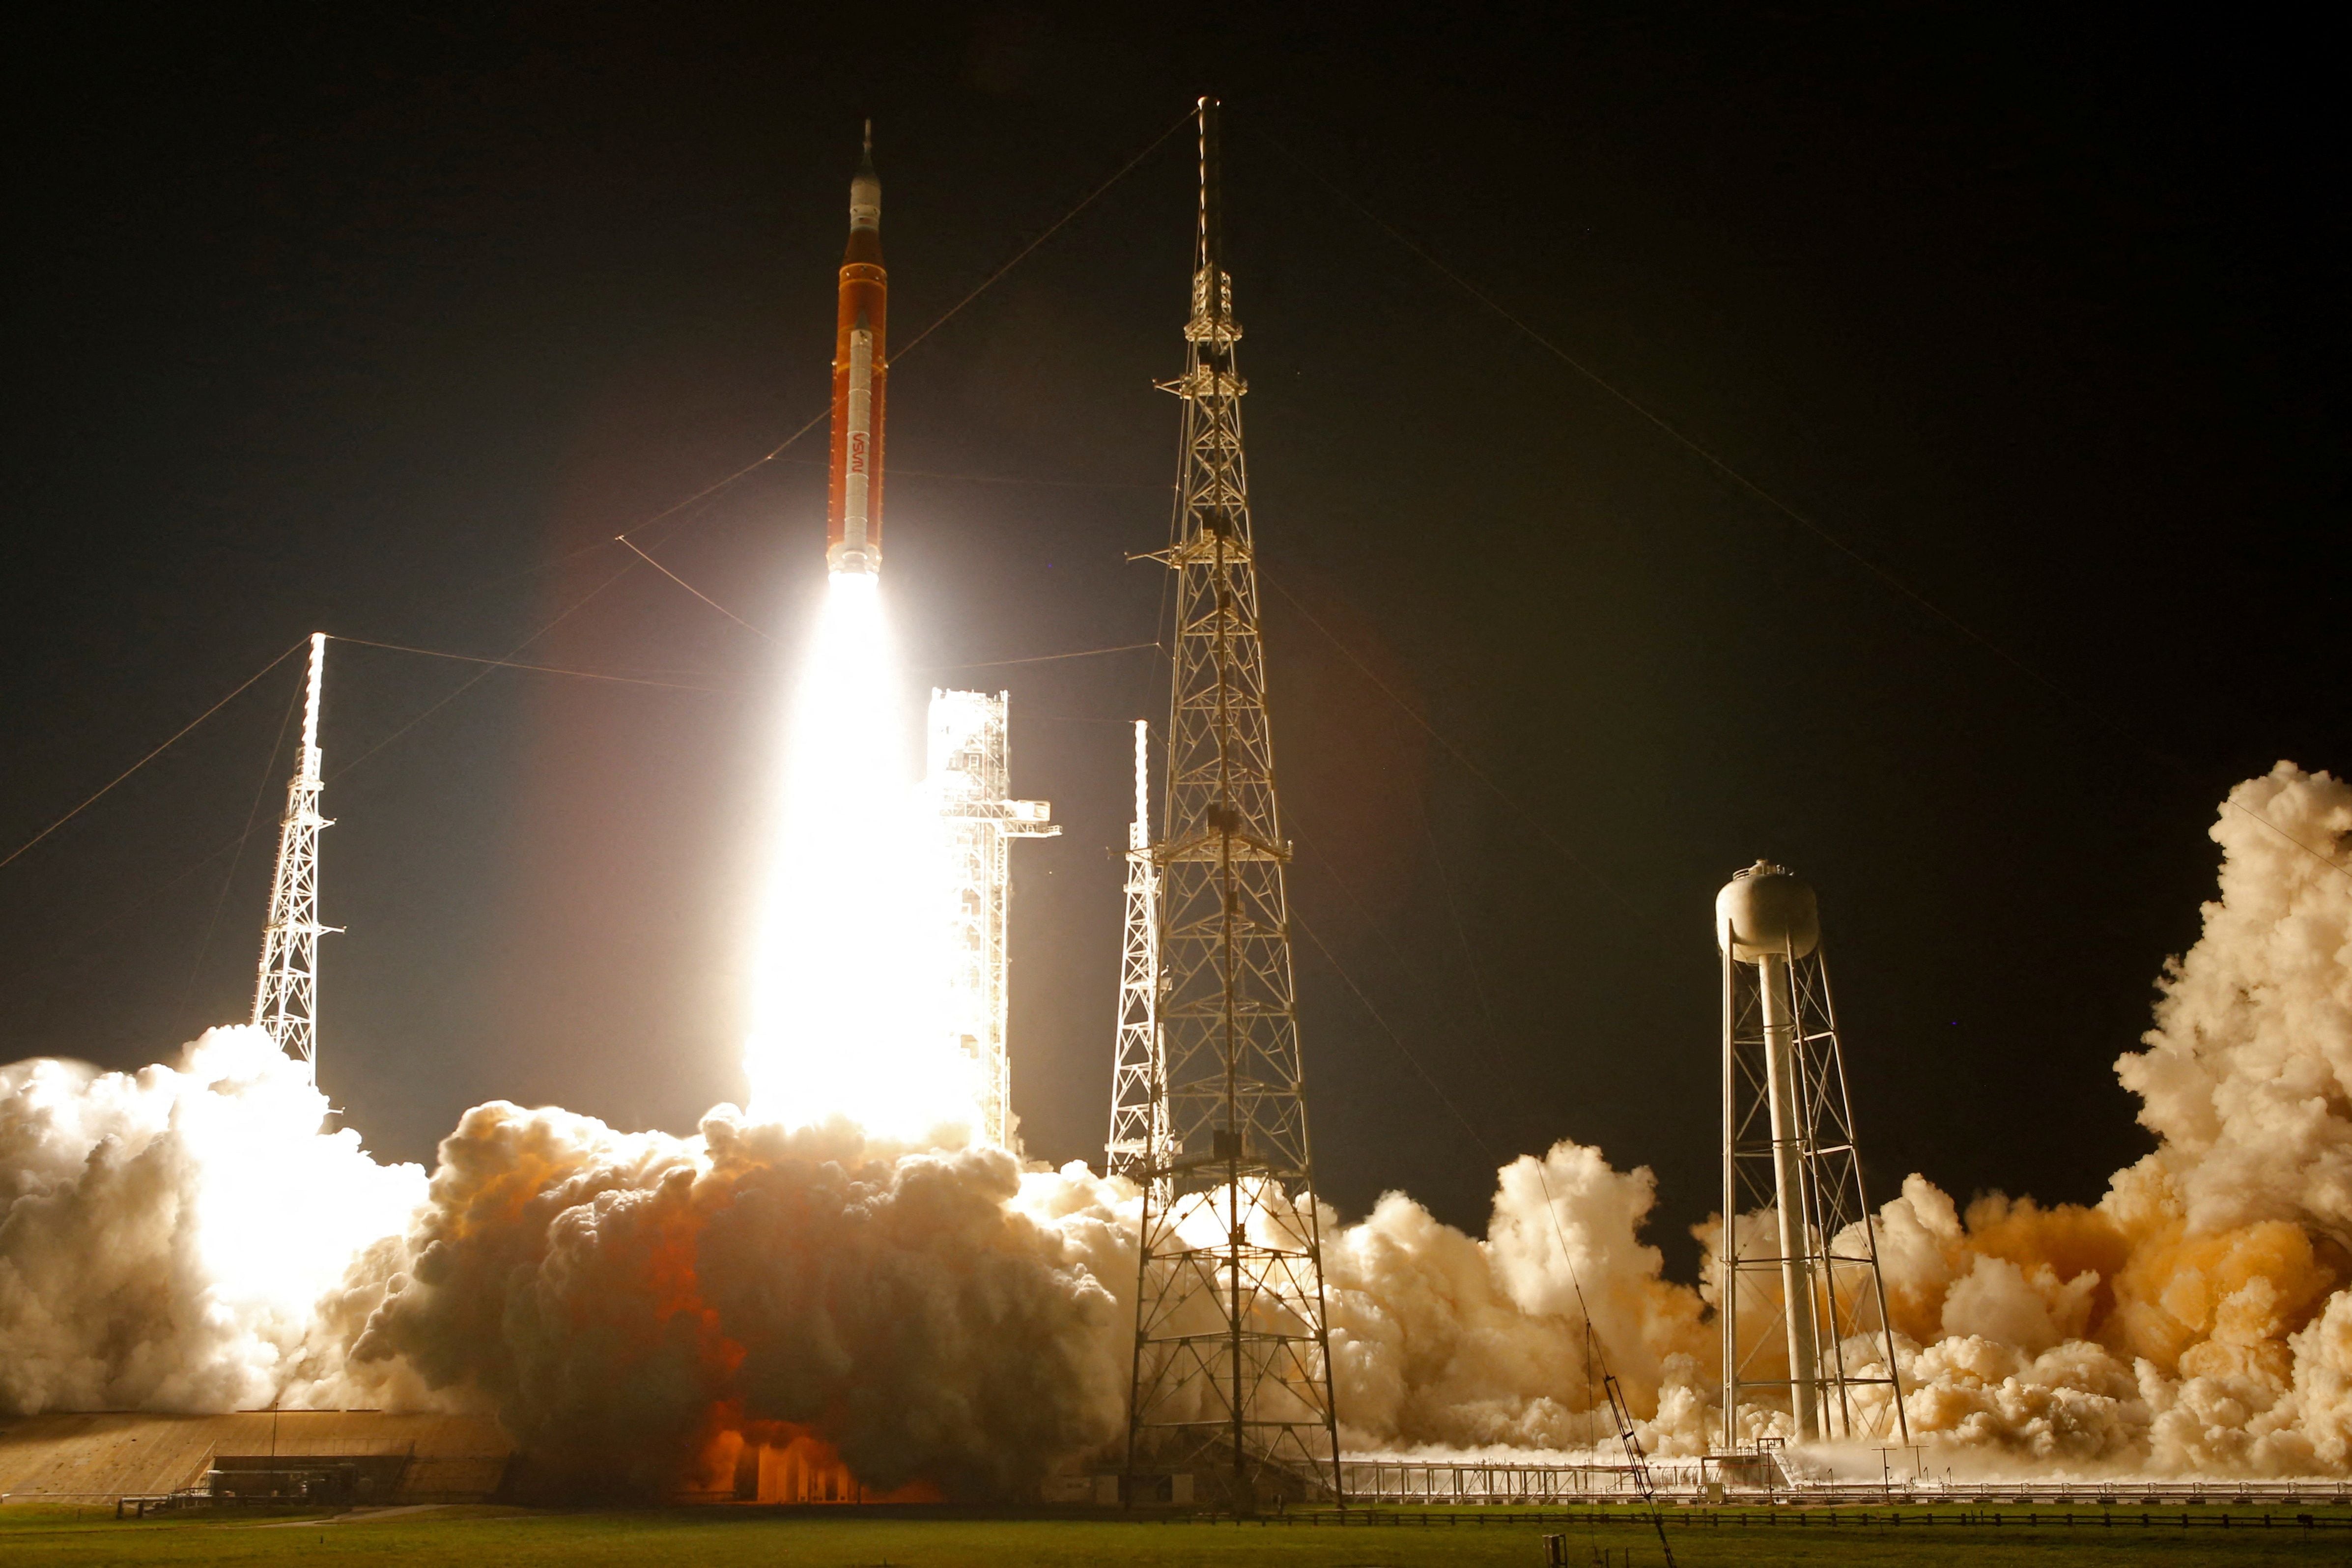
column 1138, row 1070
column 286, row 997
column 1232, row 1363
column 969, row 764
column 1804, row 1298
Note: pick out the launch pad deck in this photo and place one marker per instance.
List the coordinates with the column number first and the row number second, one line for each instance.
column 352, row 1456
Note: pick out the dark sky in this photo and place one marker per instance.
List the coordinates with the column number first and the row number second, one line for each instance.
column 360, row 321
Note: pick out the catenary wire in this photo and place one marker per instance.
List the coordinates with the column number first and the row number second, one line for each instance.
column 715, row 487
column 483, row 674
column 1680, row 438
column 252, row 815
column 158, row 751
column 1331, row 869
column 1027, row 480
column 1793, row 513
column 1543, row 1180
column 909, row 346
column 1022, row 254
column 82, row 953
column 1040, row 658
column 1533, row 819
column 513, row 664
column 772, row 453
column 623, row 539
column 721, row 690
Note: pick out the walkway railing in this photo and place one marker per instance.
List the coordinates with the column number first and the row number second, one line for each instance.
column 1438, row 1483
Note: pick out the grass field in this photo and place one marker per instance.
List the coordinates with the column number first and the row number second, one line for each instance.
column 816, row 1538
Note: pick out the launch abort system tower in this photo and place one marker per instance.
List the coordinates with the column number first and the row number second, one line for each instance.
column 1233, row 1363
column 1809, row 1291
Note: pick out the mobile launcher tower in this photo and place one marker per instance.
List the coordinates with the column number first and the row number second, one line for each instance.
column 1803, row 1307
column 969, row 766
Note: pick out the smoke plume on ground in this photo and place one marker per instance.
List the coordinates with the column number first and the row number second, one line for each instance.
column 2194, row 1319
column 627, row 1301
column 645, row 1313
column 167, row 1238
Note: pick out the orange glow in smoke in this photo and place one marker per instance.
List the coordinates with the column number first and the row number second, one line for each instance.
column 747, row 1460
column 782, row 1462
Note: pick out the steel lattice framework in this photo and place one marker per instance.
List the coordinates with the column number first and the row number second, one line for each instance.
column 1808, row 1290
column 1138, row 1069
column 1232, row 1364
column 286, row 996
column 969, row 764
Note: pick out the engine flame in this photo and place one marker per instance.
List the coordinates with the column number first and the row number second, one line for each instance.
column 848, row 981
column 783, row 1462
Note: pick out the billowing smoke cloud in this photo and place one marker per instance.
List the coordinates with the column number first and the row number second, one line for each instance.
column 2248, row 1071
column 166, row 1236
column 1440, row 1342
column 625, row 1300
column 186, row 1239
column 2195, row 1320
column 637, row 1307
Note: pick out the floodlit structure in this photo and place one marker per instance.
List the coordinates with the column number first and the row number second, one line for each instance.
column 1233, row 1358
column 969, row 770
column 1137, row 1071
column 286, row 996
column 1803, row 1306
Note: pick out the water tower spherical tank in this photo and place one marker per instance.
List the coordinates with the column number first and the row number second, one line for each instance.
column 1767, row 909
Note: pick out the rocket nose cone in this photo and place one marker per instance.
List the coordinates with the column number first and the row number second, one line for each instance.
column 865, row 188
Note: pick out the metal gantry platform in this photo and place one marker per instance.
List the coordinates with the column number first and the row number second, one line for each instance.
column 969, row 766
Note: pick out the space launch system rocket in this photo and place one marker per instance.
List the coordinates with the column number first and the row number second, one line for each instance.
column 860, row 367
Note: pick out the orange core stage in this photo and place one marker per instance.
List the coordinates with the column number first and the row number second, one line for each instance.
column 853, row 539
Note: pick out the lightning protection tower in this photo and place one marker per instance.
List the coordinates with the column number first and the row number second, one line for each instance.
column 1139, row 1072
column 1804, row 1307
column 286, row 997
column 970, row 766
column 1233, row 1363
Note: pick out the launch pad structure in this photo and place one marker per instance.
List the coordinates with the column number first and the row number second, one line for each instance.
column 285, row 994
column 1137, row 1107
column 969, row 767
column 1231, row 1377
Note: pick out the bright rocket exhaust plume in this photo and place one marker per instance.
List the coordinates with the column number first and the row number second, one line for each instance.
column 846, row 984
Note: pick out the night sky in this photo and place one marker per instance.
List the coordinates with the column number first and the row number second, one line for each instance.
column 364, row 323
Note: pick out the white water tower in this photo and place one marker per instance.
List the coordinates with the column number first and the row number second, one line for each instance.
column 1802, row 1308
